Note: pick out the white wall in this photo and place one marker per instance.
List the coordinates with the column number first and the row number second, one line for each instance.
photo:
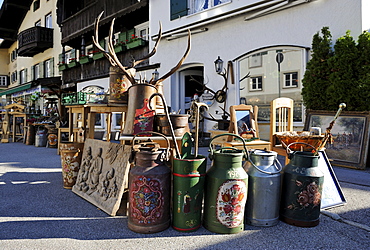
column 234, row 36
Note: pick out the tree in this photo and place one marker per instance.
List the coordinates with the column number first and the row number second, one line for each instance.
column 363, row 67
column 343, row 79
column 316, row 77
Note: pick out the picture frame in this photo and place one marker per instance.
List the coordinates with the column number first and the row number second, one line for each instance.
column 243, row 120
column 332, row 195
column 350, row 135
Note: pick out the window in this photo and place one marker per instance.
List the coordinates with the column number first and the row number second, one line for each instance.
column 142, row 30
column 181, row 8
column 261, row 81
column 199, row 5
column 13, row 55
column 291, row 80
column 48, row 21
column 3, row 81
column 14, row 77
column 23, row 76
column 256, row 83
column 38, row 23
column 36, row 5
column 49, row 68
column 36, row 71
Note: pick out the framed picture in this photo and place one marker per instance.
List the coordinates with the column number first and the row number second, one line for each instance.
column 243, row 120
column 332, row 194
column 350, row 133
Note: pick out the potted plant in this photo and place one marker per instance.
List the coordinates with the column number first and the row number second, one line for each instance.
column 72, row 63
column 85, row 59
column 135, row 41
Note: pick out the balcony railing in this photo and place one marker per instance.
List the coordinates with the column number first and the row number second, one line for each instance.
column 34, row 40
column 100, row 67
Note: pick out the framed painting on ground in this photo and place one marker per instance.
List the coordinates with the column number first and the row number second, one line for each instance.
column 350, row 134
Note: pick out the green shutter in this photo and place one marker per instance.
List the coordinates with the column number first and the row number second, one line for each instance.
column 41, row 69
column 122, row 37
column 52, row 66
column 60, row 57
column 179, row 8
column 33, row 73
column 130, row 34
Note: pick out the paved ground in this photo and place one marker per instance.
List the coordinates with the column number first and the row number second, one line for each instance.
column 37, row 213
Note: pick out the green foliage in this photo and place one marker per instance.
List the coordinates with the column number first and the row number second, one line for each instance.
column 340, row 76
column 316, row 77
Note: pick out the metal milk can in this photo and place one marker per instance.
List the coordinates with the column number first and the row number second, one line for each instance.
column 264, row 185
column 150, row 189
column 225, row 192
column 301, row 189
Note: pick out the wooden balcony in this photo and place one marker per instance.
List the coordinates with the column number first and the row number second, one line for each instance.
column 128, row 13
column 100, row 67
column 34, row 40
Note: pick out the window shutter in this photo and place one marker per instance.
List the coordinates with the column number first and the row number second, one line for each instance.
column 52, row 67
column 33, row 73
column 73, row 53
column 130, row 34
column 41, row 69
column 61, row 58
column 179, row 8
column 122, row 37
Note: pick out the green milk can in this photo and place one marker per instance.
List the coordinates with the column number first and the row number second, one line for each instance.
column 301, row 189
column 226, row 189
column 188, row 186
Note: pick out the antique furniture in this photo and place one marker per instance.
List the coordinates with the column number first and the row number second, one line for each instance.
column 281, row 120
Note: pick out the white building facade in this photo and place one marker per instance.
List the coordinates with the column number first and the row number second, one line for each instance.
column 247, row 35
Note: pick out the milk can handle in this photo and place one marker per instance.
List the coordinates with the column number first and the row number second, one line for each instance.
column 229, row 134
column 289, row 151
column 266, row 172
column 156, row 133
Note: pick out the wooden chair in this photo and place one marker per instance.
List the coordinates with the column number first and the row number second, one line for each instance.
column 281, row 120
column 243, row 122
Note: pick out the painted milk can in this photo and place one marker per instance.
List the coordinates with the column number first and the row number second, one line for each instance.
column 71, row 156
column 264, row 185
column 40, row 138
column 301, row 189
column 150, row 189
column 188, row 185
column 138, row 94
column 226, row 189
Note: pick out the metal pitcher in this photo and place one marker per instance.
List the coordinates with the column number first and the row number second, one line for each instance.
column 150, row 189
column 226, row 187
column 301, row 189
column 264, row 184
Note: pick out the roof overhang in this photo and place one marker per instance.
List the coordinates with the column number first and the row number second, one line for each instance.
column 12, row 14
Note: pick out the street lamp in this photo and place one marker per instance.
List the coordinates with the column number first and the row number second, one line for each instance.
column 155, row 75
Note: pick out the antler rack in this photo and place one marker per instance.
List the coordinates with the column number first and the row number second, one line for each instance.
column 130, row 71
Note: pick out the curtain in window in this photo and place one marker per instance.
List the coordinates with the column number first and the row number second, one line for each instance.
column 200, row 5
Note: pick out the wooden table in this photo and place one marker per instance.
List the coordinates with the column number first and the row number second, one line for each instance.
column 222, row 141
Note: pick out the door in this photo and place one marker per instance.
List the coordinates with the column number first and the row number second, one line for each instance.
column 190, row 83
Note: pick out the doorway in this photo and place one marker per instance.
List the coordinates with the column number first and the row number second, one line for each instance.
column 190, row 83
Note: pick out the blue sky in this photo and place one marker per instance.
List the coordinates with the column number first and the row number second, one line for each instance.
column 1, row 3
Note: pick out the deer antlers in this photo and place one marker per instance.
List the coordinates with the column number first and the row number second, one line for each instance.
column 129, row 72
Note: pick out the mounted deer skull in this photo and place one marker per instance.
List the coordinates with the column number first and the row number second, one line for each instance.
column 130, row 71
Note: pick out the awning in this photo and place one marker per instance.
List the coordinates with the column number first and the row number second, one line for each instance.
column 16, row 89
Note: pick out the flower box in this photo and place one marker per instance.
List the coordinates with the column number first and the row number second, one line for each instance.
column 119, row 48
column 72, row 64
column 85, row 59
column 135, row 43
column 62, row 66
column 98, row 55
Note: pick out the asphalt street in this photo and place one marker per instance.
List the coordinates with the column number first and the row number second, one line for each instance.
column 36, row 212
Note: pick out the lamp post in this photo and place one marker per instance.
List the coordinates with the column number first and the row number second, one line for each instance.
column 159, row 86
